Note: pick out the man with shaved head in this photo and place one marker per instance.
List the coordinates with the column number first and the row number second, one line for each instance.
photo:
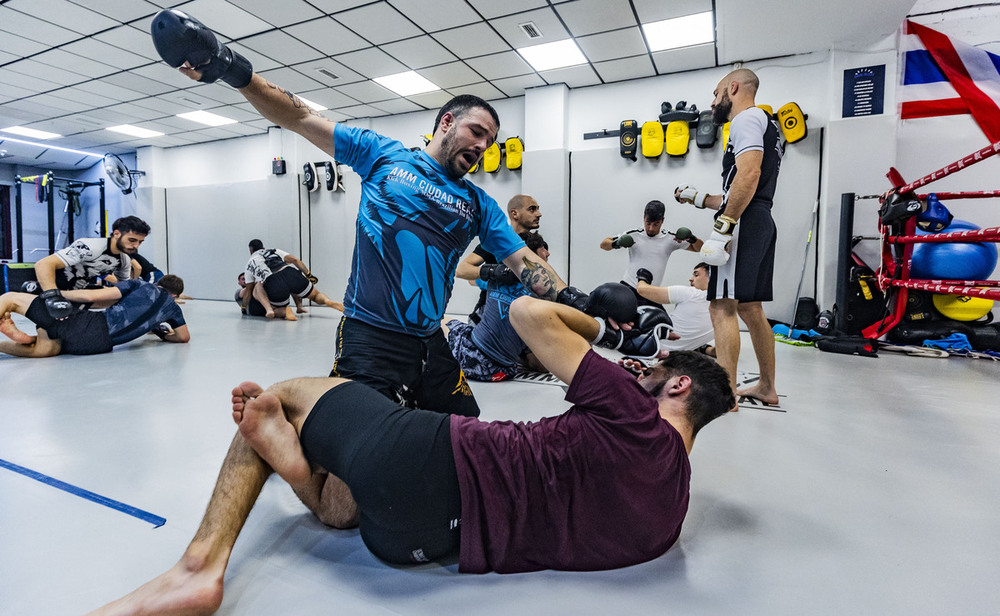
column 741, row 247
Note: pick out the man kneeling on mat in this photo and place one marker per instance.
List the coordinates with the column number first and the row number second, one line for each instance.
column 499, row 494
column 134, row 308
column 273, row 276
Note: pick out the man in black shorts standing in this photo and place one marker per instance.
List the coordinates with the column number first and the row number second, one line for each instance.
column 274, row 276
column 499, row 494
column 742, row 257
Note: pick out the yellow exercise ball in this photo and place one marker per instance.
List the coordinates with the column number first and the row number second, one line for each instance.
column 962, row 307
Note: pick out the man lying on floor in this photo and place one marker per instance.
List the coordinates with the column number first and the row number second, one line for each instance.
column 64, row 325
column 603, row 485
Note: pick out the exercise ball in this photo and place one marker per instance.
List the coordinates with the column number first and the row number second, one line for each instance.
column 953, row 260
column 962, row 307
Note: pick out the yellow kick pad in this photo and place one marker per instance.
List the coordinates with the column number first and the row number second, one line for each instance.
column 678, row 136
column 491, row 158
column 652, row 139
column 514, row 148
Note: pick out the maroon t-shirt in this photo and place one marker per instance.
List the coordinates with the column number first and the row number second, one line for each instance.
column 603, row 485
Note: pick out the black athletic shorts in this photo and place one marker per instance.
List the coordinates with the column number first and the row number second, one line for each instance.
column 747, row 277
column 284, row 283
column 81, row 333
column 414, row 371
column 399, row 465
column 254, row 308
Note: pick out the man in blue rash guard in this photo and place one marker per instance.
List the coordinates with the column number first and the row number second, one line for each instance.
column 416, row 217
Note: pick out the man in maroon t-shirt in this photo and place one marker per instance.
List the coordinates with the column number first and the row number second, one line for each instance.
column 603, row 485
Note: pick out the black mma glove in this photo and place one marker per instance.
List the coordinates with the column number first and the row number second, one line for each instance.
column 644, row 275
column 163, row 330
column 57, row 306
column 571, row 296
column 498, row 273
column 623, row 241
column 180, row 38
column 612, row 300
column 311, row 278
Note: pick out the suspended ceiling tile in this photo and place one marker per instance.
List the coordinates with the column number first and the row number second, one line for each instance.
column 515, row 86
column 371, row 63
column 191, row 99
column 66, row 105
column 52, row 74
column 573, row 76
column 84, row 97
column 470, row 41
column 281, row 13
column 378, row 23
column 109, row 117
column 501, row 65
column 135, row 112
column 164, row 74
column 591, row 16
column 545, row 20
column 685, row 58
column 657, row 10
column 328, row 71
column 282, row 47
column 9, row 57
column 120, row 10
column 18, row 46
column 244, row 129
column 74, row 66
column 445, row 13
column 130, row 39
column 218, row 92
column 88, row 122
column 612, row 45
column 117, row 58
column 418, row 52
column 328, row 36
column 329, row 98
column 362, row 111
column 367, row 92
column 491, row 8
column 336, row 6
column 432, row 100
column 624, row 69
column 61, row 13
column 259, row 61
column 236, row 112
column 137, row 83
column 163, row 106
column 225, row 19
column 108, row 90
column 10, row 93
column 451, row 75
column 175, row 124
column 482, row 90
column 398, row 105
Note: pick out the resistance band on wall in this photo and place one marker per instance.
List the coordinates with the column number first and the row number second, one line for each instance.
column 145, row 516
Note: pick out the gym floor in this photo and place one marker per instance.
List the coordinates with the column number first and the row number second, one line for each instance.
column 872, row 489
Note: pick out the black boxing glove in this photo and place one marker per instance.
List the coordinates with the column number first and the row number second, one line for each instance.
column 180, row 38
column 498, row 273
column 571, row 296
column 163, row 330
column 57, row 306
column 612, row 300
column 644, row 275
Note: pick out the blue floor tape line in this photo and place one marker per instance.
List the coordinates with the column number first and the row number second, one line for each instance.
column 145, row 516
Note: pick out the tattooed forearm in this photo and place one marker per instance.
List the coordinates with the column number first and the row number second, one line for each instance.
column 536, row 278
column 296, row 101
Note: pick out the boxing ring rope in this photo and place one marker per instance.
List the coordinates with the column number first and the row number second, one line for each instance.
column 897, row 248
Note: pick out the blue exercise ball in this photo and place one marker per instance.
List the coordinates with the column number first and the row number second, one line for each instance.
column 954, row 260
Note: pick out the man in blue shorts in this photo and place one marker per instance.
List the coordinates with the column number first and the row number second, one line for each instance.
column 603, row 485
column 134, row 308
column 742, row 257
column 490, row 349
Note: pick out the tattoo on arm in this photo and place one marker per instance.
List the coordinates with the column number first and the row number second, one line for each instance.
column 296, row 101
column 537, row 279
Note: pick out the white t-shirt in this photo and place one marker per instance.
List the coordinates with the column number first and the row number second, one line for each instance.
column 257, row 267
column 691, row 319
column 651, row 253
column 89, row 258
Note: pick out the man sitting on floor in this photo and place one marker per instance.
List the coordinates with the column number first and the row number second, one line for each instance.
column 603, row 485
column 134, row 308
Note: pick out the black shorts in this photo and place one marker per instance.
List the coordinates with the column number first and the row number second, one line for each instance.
column 413, row 371
column 81, row 333
column 747, row 277
column 254, row 308
column 399, row 465
column 284, row 283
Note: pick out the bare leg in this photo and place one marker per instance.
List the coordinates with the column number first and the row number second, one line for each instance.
column 286, row 313
column 261, row 296
column 727, row 335
column 762, row 338
column 330, row 500
column 262, row 423
column 194, row 584
column 298, row 305
column 321, row 298
column 9, row 329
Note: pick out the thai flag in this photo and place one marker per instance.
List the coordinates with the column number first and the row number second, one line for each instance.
column 944, row 76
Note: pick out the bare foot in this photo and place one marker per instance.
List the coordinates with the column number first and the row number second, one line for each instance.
column 269, row 314
column 767, row 396
column 179, row 591
column 263, row 424
column 10, row 330
column 289, row 315
column 336, row 305
column 301, row 310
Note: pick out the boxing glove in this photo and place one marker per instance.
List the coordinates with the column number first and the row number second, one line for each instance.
column 612, row 300
column 311, row 278
column 498, row 273
column 684, row 234
column 623, row 241
column 644, row 275
column 690, row 194
column 607, row 336
column 651, row 326
column 714, row 251
column 56, row 305
column 180, row 38
column 31, row 286
column 163, row 330
column 571, row 296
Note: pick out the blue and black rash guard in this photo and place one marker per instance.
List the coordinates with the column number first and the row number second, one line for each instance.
column 142, row 307
column 414, row 223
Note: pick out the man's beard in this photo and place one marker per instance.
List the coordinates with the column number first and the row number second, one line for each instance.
column 453, row 162
column 121, row 248
column 720, row 113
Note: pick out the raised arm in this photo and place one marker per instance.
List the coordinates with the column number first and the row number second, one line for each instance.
column 287, row 110
column 535, row 274
column 557, row 334
column 45, row 271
